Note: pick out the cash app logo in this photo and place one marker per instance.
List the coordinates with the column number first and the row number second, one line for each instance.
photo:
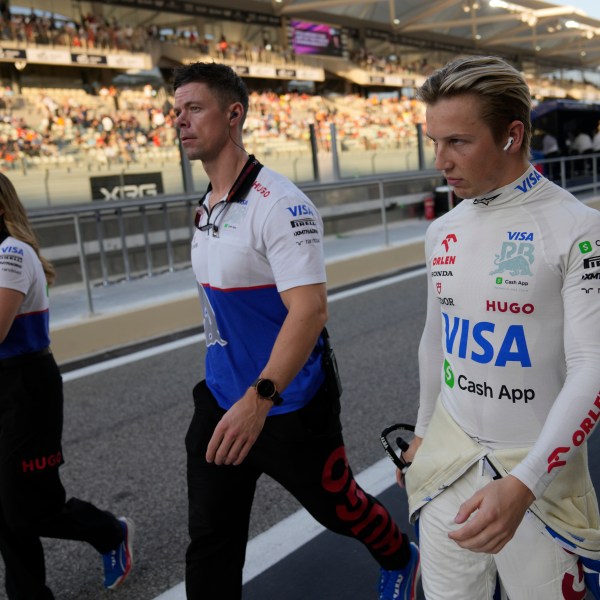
column 448, row 374
column 498, row 280
column 585, row 247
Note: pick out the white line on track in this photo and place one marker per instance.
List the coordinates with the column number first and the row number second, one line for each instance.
column 133, row 357
column 284, row 538
column 194, row 339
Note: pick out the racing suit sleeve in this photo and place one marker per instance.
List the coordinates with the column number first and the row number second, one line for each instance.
column 431, row 354
column 576, row 409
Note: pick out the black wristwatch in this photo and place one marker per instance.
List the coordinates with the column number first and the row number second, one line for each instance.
column 266, row 389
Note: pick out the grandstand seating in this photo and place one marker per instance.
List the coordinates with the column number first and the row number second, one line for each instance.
column 65, row 125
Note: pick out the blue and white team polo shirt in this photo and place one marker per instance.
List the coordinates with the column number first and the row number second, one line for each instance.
column 21, row 270
column 253, row 249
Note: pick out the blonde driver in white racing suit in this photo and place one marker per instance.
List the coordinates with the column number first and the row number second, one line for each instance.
column 509, row 358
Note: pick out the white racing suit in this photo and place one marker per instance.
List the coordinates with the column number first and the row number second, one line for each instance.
column 511, row 347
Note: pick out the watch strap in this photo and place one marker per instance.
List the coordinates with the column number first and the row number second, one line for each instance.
column 275, row 397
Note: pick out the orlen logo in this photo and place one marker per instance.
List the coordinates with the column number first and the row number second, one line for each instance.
column 446, row 241
column 513, row 307
column 443, row 260
column 300, row 209
column 129, row 191
column 579, row 436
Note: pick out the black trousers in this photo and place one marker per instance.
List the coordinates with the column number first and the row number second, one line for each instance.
column 304, row 452
column 32, row 499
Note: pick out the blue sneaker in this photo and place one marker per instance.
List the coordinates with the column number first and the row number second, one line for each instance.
column 591, row 574
column 118, row 562
column 402, row 584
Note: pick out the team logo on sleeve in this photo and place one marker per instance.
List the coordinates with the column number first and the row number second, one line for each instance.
column 301, row 210
column 592, row 262
column 12, row 250
column 580, row 435
column 11, row 259
column 304, row 223
column 304, row 226
column 295, row 223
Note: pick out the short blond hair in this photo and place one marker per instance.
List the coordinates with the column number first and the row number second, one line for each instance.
column 503, row 92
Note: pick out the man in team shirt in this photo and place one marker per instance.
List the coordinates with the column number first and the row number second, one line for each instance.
column 267, row 404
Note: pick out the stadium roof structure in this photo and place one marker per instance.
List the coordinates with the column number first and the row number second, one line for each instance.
column 548, row 34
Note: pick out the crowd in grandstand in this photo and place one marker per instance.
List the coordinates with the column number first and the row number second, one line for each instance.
column 69, row 128
column 123, row 132
column 122, row 126
column 90, row 33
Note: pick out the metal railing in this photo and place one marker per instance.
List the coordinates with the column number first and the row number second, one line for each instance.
column 102, row 243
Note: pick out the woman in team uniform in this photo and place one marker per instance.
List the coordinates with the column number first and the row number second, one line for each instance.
column 32, row 499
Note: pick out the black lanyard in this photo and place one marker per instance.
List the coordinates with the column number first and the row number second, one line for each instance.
column 239, row 190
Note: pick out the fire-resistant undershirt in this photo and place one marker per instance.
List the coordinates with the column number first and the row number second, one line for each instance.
column 267, row 243
column 514, row 299
column 21, row 270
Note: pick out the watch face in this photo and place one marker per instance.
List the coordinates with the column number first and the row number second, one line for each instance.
column 265, row 388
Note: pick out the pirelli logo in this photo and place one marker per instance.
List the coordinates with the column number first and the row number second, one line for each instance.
column 303, row 223
column 592, row 262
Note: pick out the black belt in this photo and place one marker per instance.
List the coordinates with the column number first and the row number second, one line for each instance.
column 20, row 359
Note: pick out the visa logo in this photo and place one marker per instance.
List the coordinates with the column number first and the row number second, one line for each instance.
column 520, row 235
column 300, row 209
column 486, row 345
column 531, row 180
column 11, row 250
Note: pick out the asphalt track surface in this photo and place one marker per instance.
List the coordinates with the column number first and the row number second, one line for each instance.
column 124, row 451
